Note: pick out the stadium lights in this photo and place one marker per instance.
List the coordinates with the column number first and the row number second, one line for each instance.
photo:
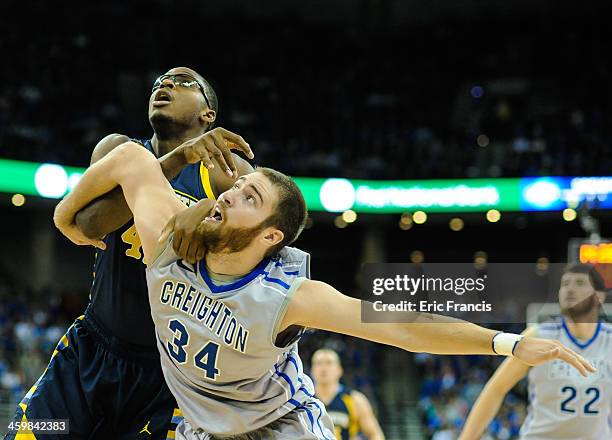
column 340, row 223
column 372, row 196
column 493, row 215
column 419, row 217
column 569, row 214
column 456, row 224
column 349, row 216
column 18, row 200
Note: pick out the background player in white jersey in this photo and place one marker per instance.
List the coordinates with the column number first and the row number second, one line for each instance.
column 563, row 405
column 228, row 327
column 349, row 409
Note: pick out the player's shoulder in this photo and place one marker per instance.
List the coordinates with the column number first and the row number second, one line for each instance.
column 292, row 262
column 290, row 254
column 606, row 327
column 546, row 329
column 107, row 144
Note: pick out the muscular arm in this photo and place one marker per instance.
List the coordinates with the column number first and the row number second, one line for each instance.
column 319, row 305
column 110, row 211
column 366, row 418
column 509, row 373
column 147, row 192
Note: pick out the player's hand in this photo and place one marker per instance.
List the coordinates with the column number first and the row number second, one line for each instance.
column 64, row 220
column 188, row 241
column 535, row 351
column 216, row 144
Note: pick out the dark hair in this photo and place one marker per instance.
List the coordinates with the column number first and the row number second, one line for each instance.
column 290, row 212
column 595, row 277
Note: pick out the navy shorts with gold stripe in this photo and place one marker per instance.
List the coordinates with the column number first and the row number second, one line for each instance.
column 103, row 396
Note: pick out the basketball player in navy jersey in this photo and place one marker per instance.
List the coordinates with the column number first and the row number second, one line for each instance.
column 349, row 409
column 105, row 375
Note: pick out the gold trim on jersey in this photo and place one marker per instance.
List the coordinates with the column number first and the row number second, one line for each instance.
column 353, row 422
column 206, row 184
column 190, row 197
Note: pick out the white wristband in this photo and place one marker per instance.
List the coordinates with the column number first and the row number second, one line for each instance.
column 505, row 343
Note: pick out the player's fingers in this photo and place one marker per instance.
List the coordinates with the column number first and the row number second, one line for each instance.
column 192, row 253
column 213, row 144
column 568, row 357
column 586, row 363
column 167, row 230
column 203, row 152
column 200, row 252
column 228, row 160
column 183, row 250
column 176, row 242
column 237, row 142
column 191, row 154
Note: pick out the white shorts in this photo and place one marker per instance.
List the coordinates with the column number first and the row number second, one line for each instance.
column 307, row 422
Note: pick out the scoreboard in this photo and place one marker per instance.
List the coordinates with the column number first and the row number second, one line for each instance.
column 597, row 253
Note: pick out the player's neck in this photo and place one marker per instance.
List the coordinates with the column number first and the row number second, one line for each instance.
column 326, row 392
column 234, row 264
column 163, row 145
column 584, row 329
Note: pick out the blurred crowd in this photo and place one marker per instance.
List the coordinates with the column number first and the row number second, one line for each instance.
column 449, row 387
column 426, row 101
column 31, row 324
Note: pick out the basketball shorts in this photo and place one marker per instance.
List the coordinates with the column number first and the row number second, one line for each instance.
column 101, row 394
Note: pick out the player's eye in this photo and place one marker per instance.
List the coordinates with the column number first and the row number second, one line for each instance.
column 251, row 199
column 236, row 185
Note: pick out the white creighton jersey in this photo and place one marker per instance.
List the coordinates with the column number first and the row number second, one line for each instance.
column 562, row 403
column 218, row 350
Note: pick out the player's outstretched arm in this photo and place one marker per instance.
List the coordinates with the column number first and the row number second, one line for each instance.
column 318, row 305
column 110, row 211
column 509, row 373
column 147, row 192
column 366, row 418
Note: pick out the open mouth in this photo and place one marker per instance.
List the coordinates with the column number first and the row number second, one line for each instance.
column 161, row 98
column 217, row 215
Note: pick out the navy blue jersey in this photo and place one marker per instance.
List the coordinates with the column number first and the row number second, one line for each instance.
column 342, row 412
column 119, row 305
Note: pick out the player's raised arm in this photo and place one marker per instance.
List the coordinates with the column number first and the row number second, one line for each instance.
column 147, row 192
column 509, row 373
column 110, row 211
column 318, row 305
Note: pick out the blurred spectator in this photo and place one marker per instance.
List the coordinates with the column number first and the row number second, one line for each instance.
column 527, row 101
column 449, row 389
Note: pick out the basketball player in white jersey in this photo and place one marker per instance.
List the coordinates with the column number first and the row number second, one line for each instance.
column 227, row 327
column 563, row 405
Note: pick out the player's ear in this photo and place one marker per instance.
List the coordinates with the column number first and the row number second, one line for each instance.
column 208, row 115
column 272, row 236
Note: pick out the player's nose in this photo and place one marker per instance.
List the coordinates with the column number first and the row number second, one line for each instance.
column 167, row 82
column 228, row 199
